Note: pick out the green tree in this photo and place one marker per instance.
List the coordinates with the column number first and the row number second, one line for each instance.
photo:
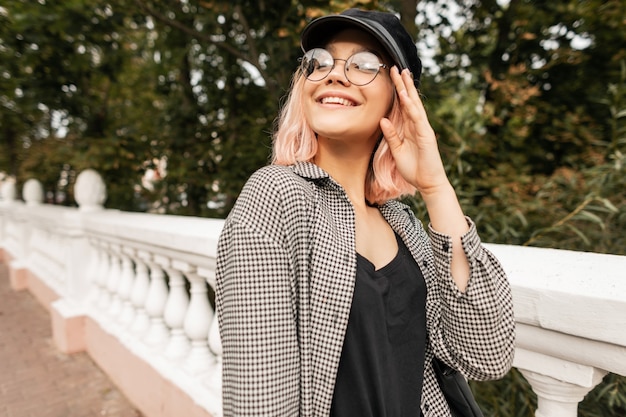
column 60, row 63
column 527, row 98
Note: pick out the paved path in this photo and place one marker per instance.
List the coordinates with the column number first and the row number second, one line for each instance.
column 36, row 380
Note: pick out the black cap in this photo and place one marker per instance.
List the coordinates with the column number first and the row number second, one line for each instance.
column 384, row 27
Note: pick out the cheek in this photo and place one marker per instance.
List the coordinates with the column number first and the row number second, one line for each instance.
column 307, row 99
column 392, row 102
column 387, row 100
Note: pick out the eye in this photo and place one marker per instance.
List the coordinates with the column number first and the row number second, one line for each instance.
column 317, row 60
column 365, row 62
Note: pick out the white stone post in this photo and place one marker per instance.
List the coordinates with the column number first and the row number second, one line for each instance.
column 32, row 192
column 90, row 194
column 15, row 237
column 8, row 191
column 77, row 266
column 90, row 191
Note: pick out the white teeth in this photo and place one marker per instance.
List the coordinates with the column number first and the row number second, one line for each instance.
column 337, row 100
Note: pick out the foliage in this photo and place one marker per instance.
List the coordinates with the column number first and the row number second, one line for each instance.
column 173, row 103
column 508, row 397
column 607, row 400
column 532, row 131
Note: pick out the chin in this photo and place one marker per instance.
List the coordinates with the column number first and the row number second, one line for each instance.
column 338, row 129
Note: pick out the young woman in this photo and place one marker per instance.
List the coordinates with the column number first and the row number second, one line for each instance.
column 331, row 297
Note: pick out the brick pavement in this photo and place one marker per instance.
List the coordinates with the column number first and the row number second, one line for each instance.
column 36, row 379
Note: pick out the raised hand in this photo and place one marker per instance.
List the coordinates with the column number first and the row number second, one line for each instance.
column 414, row 146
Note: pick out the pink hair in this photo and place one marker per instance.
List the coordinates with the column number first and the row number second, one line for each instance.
column 295, row 141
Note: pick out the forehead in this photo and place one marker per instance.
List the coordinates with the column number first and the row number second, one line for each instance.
column 357, row 39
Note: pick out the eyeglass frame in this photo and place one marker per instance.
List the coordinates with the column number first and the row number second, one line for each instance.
column 345, row 66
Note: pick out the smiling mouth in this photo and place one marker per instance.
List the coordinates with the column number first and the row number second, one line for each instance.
column 337, row 100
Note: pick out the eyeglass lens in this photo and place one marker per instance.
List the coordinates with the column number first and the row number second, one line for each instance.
column 360, row 68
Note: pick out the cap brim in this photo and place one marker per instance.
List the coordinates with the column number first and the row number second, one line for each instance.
column 319, row 31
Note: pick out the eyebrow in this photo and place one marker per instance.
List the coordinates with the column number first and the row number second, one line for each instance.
column 331, row 49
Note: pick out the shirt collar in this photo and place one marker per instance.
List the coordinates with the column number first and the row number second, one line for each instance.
column 313, row 172
column 309, row 170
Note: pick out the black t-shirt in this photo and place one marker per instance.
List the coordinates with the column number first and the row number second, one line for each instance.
column 381, row 369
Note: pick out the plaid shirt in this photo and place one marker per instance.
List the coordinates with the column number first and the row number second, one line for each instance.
column 286, row 269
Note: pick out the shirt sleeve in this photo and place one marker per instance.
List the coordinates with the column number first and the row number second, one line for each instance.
column 256, row 311
column 476, row 333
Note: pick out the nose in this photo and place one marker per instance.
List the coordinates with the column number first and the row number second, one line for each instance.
column 338, row 73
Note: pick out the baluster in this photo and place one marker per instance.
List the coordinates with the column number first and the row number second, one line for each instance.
column 96, row 272
column 556, row 398
column 126, row 285
column 215, row 342
column 139, row 295
column 114, row 280
column 175, row 311
column 93, row 268
column 105, row 296
column 214, row 379
column 197, row 324
column 155, row 305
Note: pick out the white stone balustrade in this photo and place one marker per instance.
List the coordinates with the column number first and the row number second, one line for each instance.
column 145, row 280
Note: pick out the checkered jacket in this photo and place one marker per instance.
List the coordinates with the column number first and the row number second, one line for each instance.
column 286, row 269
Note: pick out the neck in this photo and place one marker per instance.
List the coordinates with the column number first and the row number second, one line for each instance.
column 348, row 165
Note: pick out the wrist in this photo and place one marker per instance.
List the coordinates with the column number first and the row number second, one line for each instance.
column 443, row 190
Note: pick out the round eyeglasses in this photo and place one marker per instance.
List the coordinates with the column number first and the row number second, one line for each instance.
column 360, row 69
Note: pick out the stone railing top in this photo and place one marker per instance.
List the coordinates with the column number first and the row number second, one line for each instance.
column 191, row 235
column 578, row 293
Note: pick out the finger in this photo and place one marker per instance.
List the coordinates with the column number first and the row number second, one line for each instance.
column 410, row 103
column 403, row 81
column 409, row 83
column 397, row 80
column 390, row 134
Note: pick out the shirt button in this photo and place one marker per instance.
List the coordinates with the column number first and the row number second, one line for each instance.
column 446, row 247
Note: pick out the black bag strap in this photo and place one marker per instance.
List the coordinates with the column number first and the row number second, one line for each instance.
column 456, row 390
